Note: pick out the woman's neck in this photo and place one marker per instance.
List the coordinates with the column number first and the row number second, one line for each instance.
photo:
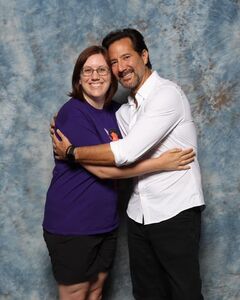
column 97, row 103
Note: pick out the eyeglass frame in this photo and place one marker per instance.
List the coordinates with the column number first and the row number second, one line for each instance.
column 97, row 70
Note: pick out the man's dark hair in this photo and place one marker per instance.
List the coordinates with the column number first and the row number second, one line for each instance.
column 135, row 36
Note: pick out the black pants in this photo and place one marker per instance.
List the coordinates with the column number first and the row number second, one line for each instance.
column 164, row 261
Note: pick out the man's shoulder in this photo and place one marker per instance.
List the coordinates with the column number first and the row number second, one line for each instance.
column 164, row 95
column 156, row 85
column 162, row 82
column 164, row 85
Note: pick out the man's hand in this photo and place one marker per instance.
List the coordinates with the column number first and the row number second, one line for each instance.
column 60, row 147
column 52, row 126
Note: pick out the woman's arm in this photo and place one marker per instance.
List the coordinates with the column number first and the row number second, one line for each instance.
column 171, row 160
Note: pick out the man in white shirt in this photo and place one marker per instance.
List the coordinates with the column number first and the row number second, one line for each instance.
column 164, row 212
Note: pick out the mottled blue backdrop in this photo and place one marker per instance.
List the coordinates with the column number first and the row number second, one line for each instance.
column 195, row 43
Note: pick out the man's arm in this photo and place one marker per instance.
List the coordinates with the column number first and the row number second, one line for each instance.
column 95, row 155
column 175, row 159
column 162, row 112
column 161, row 115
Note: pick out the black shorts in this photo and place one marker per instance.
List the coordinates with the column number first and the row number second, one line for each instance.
column 78, row 259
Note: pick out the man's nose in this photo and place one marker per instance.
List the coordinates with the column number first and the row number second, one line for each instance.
column 121, row 66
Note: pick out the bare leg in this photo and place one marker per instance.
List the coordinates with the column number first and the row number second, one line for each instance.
column 77, row 291
column 96, row 288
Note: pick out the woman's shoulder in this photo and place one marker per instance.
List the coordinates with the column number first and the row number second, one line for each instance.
column 72, row 109
column 72, row 105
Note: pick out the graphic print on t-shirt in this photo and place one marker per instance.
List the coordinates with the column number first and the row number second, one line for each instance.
column 113, row 134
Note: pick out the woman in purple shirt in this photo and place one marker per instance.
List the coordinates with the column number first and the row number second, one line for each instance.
column 81, row 218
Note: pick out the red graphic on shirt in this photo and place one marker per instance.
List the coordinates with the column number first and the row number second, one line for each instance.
column 113, row 134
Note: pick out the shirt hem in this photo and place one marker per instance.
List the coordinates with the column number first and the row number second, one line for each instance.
column 59, row 232
column 201, row 205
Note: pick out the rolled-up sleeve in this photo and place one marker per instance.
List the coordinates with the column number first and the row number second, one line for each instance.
column 158, row 116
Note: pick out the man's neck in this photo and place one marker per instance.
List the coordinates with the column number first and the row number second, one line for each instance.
column 134, row 92
column 146, row 75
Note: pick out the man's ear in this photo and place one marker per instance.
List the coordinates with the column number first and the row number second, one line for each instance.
column 145, row 56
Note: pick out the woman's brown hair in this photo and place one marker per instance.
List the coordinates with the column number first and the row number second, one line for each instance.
column 82, row 58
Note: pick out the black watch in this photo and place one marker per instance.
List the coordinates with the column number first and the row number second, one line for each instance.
column 70, row 153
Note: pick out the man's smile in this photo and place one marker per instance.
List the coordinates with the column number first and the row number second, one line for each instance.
column 125, row 75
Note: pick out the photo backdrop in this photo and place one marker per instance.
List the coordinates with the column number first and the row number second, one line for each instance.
column 194, row 43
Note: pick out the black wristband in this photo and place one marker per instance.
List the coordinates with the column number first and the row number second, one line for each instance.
column 70, row 153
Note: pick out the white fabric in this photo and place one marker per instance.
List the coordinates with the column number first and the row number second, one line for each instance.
column 161, row 121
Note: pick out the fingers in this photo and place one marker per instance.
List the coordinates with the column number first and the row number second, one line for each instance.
column 55, row 142
column 62, row 136
column 52, row 127
column 187, row 158
column 175, row 150
column 187, row 151
column 52, row 122
column 54, row 139
column 51, row 131
column 183, row 152
column 54, row 148
column 187, row 161
column 183, row 168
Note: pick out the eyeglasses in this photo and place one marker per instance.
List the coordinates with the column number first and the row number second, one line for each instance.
column 88, row 71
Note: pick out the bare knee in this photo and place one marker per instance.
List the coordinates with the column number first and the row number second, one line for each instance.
column 96, row 288
column 95, row 294
column 77, row 291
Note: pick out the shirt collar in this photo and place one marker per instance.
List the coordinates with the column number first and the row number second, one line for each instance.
column 144, row 90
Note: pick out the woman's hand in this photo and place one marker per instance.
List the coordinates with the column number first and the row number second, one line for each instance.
column 175, row 159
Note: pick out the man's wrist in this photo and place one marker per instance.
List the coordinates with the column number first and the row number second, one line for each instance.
column 69, row 154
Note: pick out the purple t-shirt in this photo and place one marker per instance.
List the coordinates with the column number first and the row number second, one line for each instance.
column 79, row 203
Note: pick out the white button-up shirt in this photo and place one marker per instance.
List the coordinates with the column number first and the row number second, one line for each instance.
column 161, row 121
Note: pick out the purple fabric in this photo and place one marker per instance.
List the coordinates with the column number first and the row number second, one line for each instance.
column 78, row 203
